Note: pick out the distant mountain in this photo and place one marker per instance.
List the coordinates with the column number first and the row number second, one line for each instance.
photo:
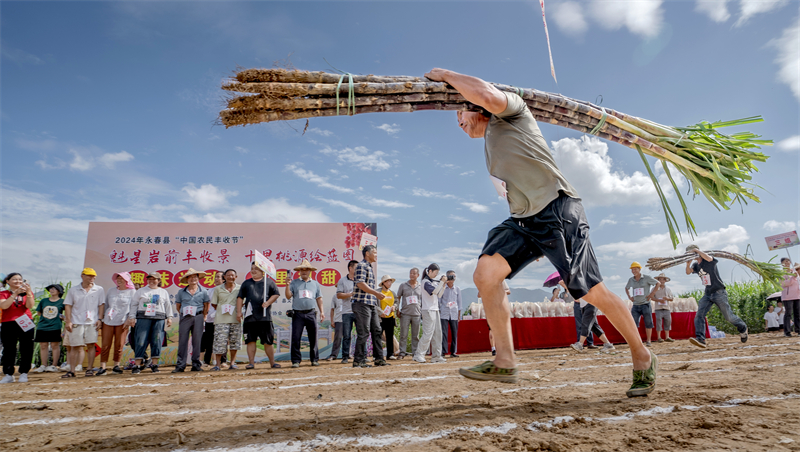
column 471, row 295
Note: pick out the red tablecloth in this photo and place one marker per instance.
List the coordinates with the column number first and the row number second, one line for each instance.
column 555, row 332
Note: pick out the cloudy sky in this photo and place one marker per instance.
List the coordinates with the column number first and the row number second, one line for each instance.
column 109, row 109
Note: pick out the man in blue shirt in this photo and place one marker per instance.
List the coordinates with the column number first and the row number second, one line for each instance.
column 306, row 296
column 192, row 303
column 365, row 307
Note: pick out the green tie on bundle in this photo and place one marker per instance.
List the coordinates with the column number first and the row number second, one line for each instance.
column 718, row 166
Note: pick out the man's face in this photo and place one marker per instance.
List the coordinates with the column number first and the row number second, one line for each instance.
column 451, row 282
column 88, row 280
column 473, row 123
column 636, row 271
column 229, row 277
column 413, row 274
column 256, row 272
column 305, row 273
column 193, row 280
column 351, row 270
column 662, row 281
column 372, row 255
column 786, row 263
column 218, row 278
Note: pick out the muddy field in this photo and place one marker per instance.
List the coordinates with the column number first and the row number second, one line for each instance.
column 732, row 396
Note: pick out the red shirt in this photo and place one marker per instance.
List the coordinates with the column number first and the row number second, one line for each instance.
column 17, row 308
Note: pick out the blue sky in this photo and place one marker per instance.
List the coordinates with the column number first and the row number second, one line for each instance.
column 109, row 109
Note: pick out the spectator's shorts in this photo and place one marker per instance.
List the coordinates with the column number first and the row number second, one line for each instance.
column 82, row 335
column 663, row 316
column 258, row 330
column 227, row 336
column 47, row 336
column 642, row 310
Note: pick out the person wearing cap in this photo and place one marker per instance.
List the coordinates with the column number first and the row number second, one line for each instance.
column 84, row 308
column 306, row 296
column 150, row 310
column 366, row 298
column 661, row 296
column 450, row 314
column 386, row 313
column 790, row 295
column 48, row 330
column 115, row 321
column 17, row 327
column 409, row 295
column 254, row 305
column 715, row 294
column 640, row 285
column 192, row 305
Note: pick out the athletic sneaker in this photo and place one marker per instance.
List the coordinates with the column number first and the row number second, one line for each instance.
column 51, row 369
column 438, row 360
column 116, row 370
column 102, row 371
column 8, row 379
column 346, row 361
column 660, row 340
column 381, row 363
column 64, row 367
column 669, row 339
column 494, row 352
column 313, row 363
column 136, row 370
column 40, row 369
column 393, row 357
column 648, row 343
column 489, row 372
column 578, row 347
column 23, row 378
column 295, row 365
column 78, row 368
column 154, row 368
column 644, row 381
column 608, row 347
column 743, row 336
column 698, row 342
column 418, row 360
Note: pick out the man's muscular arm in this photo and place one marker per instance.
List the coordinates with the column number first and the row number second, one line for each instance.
column 473, row 89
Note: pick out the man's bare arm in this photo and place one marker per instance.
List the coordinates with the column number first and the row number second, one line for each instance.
column 472, row 88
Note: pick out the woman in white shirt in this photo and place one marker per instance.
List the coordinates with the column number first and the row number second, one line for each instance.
column 771, row 319
column 115, row 320
column 150, row 309
column 431, row 325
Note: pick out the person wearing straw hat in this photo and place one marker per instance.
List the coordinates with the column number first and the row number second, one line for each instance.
column 306, row 296
column 715, row 294
column 640, row 285
column 150, row 310
column 115, row 321
column 192, row 304
column 387, row 311
column 662, row 296
column 790, row 296
column 547, row 219
column 83, row 309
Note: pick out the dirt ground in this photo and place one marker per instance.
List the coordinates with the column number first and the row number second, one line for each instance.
column 731, row 396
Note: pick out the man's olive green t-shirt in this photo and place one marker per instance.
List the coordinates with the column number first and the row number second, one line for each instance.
column 517, row 154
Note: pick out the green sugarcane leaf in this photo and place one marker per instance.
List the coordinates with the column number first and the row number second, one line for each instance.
column 689, row 223
column 668, row 215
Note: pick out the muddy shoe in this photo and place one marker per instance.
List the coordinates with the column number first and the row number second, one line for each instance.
column 489, row 372
column 644, row 381
column 669, row 339
column 609, row 347
column 743, row 336
column 578, row 347
column 698, row 342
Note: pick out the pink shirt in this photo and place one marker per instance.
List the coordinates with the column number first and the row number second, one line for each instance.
column 791, row 288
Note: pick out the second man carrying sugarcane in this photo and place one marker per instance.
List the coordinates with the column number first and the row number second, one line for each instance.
column 547, row 219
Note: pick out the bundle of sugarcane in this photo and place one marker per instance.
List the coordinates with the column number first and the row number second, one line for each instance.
column 768, row 271
column 718, row 166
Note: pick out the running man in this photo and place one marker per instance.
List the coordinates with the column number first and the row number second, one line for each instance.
column 706, row 267
column 547, row 219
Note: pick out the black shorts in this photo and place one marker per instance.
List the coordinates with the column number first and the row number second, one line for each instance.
column 560, row 233
column 259, row 330
column 47, row 336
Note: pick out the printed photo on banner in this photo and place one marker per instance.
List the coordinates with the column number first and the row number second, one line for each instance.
column 367, row 239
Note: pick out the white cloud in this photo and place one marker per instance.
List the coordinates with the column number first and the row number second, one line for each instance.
column 608, row 220
column 359, row 157
column 19, row 56
column 384, row 203
column 277, row 210
column 320, row 181
column 790, row 144
column 457, row 218
column 241, row 149
column 659, row 245
column 56, row 164
column 353, row 208
column 779, row 226
column 318, row 131
column 387, row 187
column 750, row 8
column 647, row 220
column 642, row 17
column 109, row 160
column 430, row 194
column 79, row 163
column 788, row 46
column 716, row 10
column 37, row 145
column 612, row 278
column 569, row 18
column 391, row 129
column 207, row 197
column 467, row 173
column 586, row 164
column 475, row 207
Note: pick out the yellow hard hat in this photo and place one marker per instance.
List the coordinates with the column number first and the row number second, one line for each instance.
column 636, row 265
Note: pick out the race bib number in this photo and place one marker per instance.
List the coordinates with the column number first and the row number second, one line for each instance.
column 50, row 312
column 306, row 294
column 387, row 310
column 150, row 310
column 89, row 316
column 500, row 187
column 638, row 291
column 452, row 304
column 110, row 313
column 413, row 300
column 706, row 279
column 662, row 302
column 227, row 309
column 249, row 311
column 189, row 310
column 25, row 322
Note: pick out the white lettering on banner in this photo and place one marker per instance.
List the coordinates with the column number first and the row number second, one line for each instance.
column 25, row 322
column 500, row 186
column 150, row 310
column 638, row 291
column 227, row 309
column 412, row 299
column 306, row 294
column 189, row 310
column 706, row 279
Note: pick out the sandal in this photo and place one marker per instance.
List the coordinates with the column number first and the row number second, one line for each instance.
column 276, row 366
column 233, row 367
column 89, row 373
column 250, row 366
column 68, row 375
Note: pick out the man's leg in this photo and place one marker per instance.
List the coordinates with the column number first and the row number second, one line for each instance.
column 207, row 344
column 576, row 310
column 197, row 338
column 347, row 334
column 337, row 340
column 445, row 327
column 617, row 313
column 311, row 330
column 405, row 322
column 376, row 330
column 415, row 321
column 297, row 335
column 251, row 352
column 703, row 306
column 362, row 317
column 720, row 298
column 184, row 327
column 268, row 348
column 488, row 277
column 454, row 336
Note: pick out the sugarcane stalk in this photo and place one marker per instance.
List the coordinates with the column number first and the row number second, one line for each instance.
column 768, row 271
column 294, row 76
